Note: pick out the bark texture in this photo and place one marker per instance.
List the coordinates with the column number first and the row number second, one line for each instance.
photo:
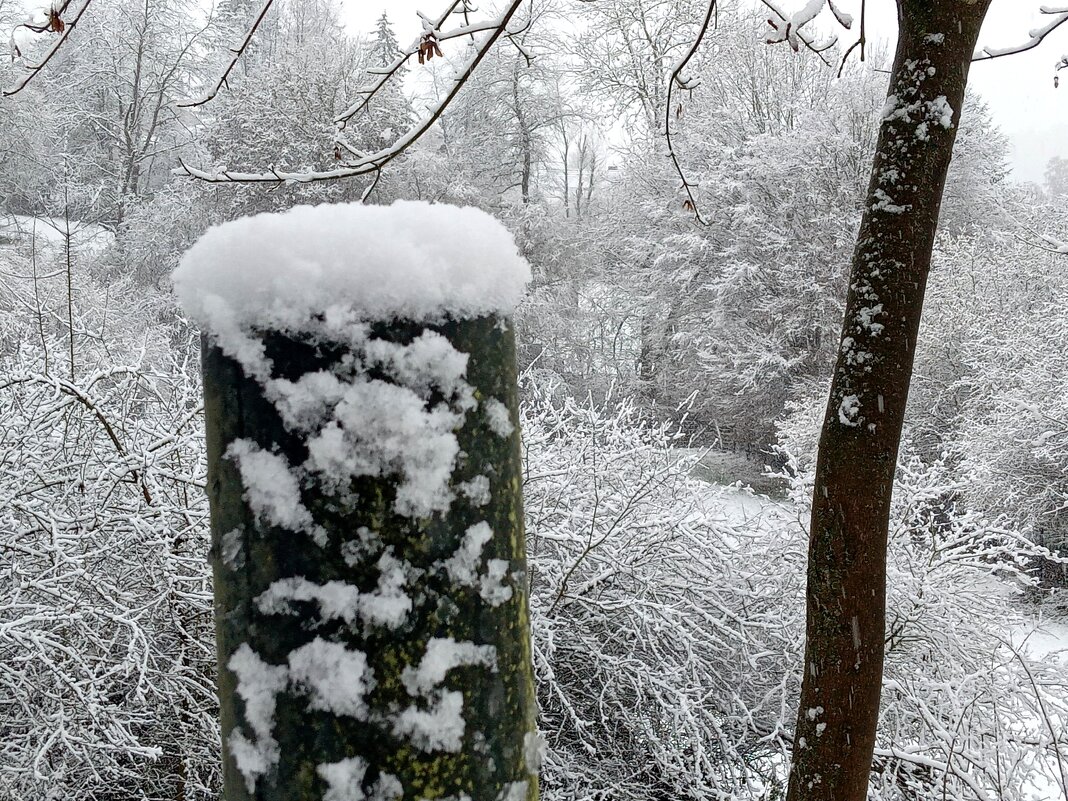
column 497, row 758
column 839, row 707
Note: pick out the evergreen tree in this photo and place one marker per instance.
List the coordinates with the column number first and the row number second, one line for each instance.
column 386, row 47
column 390, row 113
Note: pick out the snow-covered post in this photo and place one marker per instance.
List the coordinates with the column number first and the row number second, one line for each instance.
column 367, row 522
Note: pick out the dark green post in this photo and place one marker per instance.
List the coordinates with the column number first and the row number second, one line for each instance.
column 372, row 621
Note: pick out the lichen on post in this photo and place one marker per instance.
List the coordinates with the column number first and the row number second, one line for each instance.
column 367, row 522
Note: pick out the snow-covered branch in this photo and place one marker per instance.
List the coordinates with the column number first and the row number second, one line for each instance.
column 1035, row 37
column 374, row 162
column 787, row 27
column 675, row 79
column 237, row 51
column 53, row 23
column 1048, row 243
column 431, row 32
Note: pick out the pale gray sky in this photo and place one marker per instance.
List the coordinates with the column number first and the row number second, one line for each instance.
column 1019, row 88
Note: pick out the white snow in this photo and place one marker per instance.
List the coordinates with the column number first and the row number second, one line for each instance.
column 477, row 490
column 410, row 260
column 939, row 110
column 883, row 202
column 866, row 318
column 889, row 110
column 258, row 685
column 513, row 791
column 325, row 273
column 271, row 488
column 463, row 565
column 344, row 779
column 336, row 678
column 442, row 655
column 499, row 420
column 336, row 599
column 382, row 429
column 387, row 606
column 492, row 588
column 344, row 782
column 429, row 362
column 849, row 411
column 441, row 728
column 534, row 749
column 356, row 426
column 367, row 543
column 304, row 403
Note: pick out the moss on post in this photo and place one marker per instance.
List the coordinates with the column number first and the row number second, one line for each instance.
column 367, row 650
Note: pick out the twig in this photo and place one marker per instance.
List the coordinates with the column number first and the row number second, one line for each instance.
column 238, row 51
column 676, row 78
column 374, row 161
column 788, row 29
column 66, row 30
column 1035, row 37
column 861, row 42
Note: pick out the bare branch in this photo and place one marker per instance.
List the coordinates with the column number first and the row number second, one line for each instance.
column 1046, row 243
column 237, row 52
column 371, row 187
column 386, row 73
column 787, row 28
column 676, row 79
column 862, row 40
column 55, row 23
column 1035, row 37
column 372, row 162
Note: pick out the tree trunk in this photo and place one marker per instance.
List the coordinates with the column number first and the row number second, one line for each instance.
column 526, row 144
column 842, row 676
column 419, row 624
column 567, row 176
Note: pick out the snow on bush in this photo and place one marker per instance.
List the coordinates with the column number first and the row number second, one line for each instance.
column 107, row 661
column 667, row 615
column 668, row 626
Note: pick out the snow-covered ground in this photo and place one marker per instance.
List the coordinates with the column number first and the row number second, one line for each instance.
column 51, row 233
column 1042, row 641
column 1047, row 640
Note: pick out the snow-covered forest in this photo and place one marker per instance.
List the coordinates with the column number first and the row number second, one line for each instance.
column 690, row 241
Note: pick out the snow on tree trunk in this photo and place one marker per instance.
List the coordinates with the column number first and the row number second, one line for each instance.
column 839, row 706
column 367, row 522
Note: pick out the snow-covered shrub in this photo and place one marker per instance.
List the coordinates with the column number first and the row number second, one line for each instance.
column 1013, row 438
column 107, row 659
column 990, row 389
column 967, row 712
column 665, row 613
column 106, row 634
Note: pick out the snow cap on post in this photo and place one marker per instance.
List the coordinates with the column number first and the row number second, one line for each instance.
column 409, row 261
